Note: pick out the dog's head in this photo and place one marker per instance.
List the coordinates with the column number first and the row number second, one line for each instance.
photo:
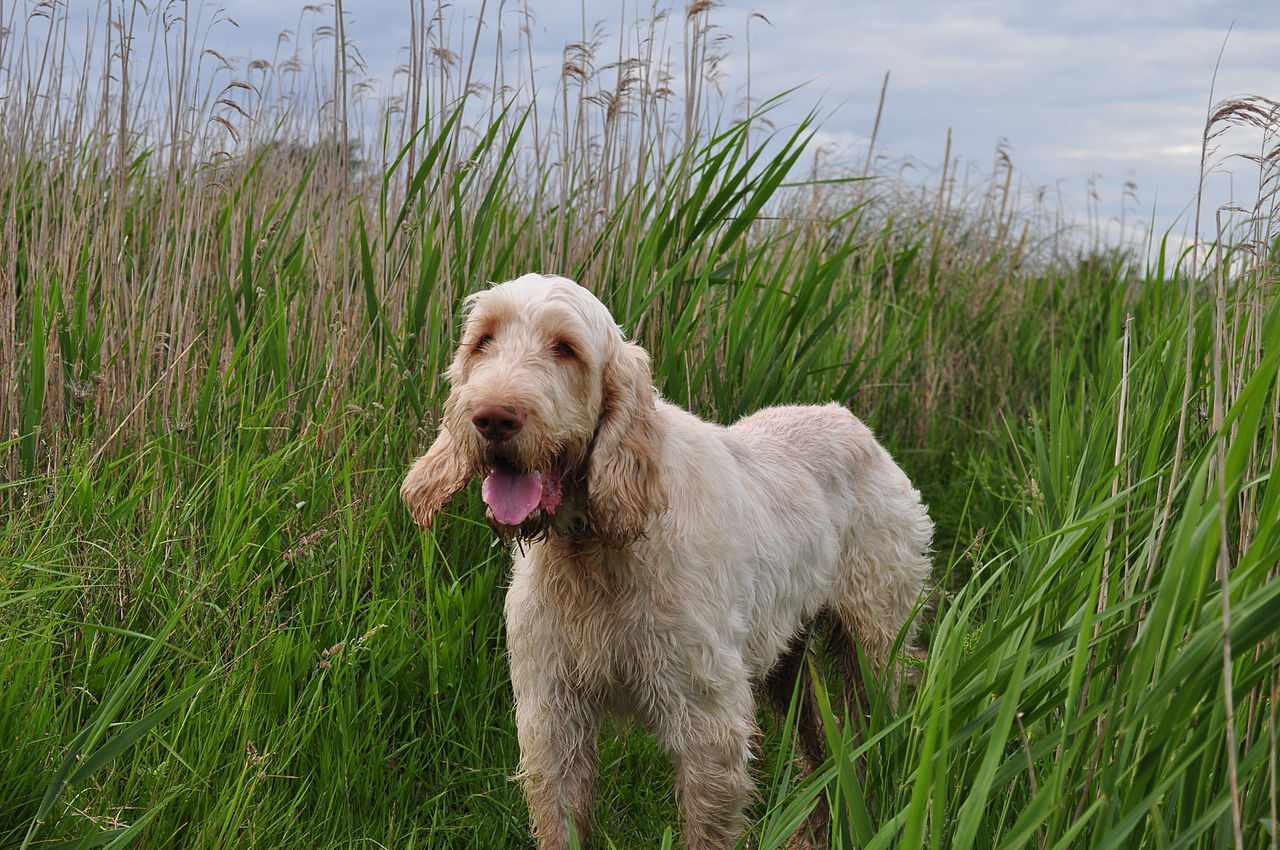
column 553, row 406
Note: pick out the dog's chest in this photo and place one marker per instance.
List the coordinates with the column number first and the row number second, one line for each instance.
column 595, row 616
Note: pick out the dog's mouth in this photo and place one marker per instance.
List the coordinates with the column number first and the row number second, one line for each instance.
column 515, row 495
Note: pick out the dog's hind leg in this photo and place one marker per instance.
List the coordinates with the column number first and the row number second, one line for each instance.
column 878, row 604
column 787, row 680
column 886, row 569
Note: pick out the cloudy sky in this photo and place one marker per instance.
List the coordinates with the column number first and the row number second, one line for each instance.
column 1111, row 91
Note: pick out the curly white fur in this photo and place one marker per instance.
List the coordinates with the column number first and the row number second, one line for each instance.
column 686, row 558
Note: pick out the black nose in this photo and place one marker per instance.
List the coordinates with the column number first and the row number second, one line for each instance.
column 497, row 423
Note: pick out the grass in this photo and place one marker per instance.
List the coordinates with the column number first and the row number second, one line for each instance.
column 221, row 336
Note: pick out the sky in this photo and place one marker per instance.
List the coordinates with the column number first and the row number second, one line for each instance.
column 1083, row 93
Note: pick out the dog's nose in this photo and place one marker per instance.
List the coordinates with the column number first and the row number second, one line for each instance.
column 497, row 422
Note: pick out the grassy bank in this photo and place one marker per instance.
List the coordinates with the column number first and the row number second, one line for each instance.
column 221, row 340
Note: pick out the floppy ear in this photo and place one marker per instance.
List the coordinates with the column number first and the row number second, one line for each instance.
column 624, row 485
column 434, row 478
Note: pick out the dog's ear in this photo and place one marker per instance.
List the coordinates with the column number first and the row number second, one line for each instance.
column 624, row 485
column 438, row 475
column 434, row 478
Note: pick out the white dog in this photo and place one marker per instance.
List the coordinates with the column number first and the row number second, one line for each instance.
column 672, row 565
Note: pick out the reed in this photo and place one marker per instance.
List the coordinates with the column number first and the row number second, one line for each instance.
column 228, row 293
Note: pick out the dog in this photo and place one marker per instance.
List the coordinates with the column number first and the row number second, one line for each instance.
column 668, row 568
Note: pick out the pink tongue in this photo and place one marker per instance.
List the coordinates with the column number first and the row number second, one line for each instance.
column 511, row 496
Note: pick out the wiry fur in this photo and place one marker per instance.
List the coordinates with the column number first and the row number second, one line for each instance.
column 705, row 553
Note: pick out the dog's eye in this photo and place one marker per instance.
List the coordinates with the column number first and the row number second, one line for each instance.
column 563, row 349
column 483, row 342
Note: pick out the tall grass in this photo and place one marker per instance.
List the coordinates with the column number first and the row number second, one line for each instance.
column 226, row 298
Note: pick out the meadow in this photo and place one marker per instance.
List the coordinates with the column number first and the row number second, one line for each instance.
column 227, row 297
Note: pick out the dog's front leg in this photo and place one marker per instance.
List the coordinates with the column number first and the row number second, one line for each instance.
column 558, row 759
column 712, row 750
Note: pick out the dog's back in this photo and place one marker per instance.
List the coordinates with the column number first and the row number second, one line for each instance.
column 827, row 440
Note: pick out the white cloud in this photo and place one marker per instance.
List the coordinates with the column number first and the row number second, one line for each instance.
column 1091, row 87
